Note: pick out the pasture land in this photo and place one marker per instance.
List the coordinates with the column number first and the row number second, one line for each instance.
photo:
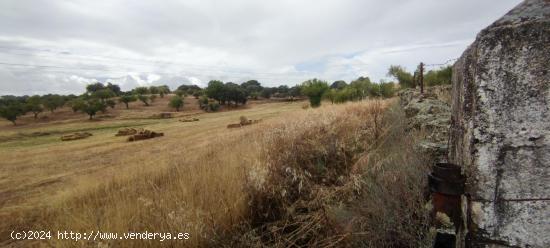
column 38, row 170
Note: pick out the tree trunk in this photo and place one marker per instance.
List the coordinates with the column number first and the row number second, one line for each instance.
column 35, row 115
column 126, row 105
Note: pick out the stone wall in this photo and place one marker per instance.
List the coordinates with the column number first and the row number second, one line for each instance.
column 429, row 113
column 500, row 129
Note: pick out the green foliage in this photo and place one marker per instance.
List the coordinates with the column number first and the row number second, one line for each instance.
column 213, row 106
column 330, row 95
column 52, row 102
column 34, row 105
column 103, row 94
column 198, row 93
column 176, row 102
column 77, row 104
column 282, row 91
column 439, row 76
column 114, row 88
column 141, row 94
column 295, row 91
column 189, row 89
column 215, row 90
column 252, row 87
column 266, row 93
column 111, row 103
column 254, row 95
column 92, row 106
column 387, row 90
column 234, row 92
column 163, row 90
column 144, row 99
column 126, row 99
column 226, row 93
column 153, row 90
column 404, row 78
column 141, row 90
column 11, row 110
column 91, row 88
column 361, row 88
column 179, row 93
column 96, row 87
column 314, row 90
column 340, row 84
column 203, row 101
column 347, row 94
column 208, row 105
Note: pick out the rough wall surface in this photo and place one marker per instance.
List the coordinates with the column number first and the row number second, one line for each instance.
column 500, row 128
column 429, row 113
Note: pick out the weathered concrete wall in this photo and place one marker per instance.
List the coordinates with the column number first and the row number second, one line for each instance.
column 500, row 128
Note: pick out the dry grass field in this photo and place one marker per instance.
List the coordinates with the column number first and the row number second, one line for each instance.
column 42, row 171
column 225, row 187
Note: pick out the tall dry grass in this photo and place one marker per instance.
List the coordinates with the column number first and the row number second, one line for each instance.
column 341, row 175
column 202, row 196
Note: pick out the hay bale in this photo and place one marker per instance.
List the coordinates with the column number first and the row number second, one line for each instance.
column 75, row 136
column 189, row 120
column 128, row 131
column 144, row 134
column 236, row 125
column 244, row 120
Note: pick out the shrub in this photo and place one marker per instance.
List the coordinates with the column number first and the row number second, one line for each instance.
column 77, row 104
column 179, row 93
column 314, row 90
column 34, row 105
column 310, row 160
column 346, row 176
column 243, row 120
column 198, row 93
column 110, row 103
column 52, row 102
column 208, row 105
column 439, row 76
column 213, row 106
column 144, row 99
column 11, row 111
column 126, row 99
column 404, row 78
column 92, row 106
column 141, row 90
column 176, row 102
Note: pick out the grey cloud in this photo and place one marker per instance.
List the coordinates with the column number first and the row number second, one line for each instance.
column 196, row 40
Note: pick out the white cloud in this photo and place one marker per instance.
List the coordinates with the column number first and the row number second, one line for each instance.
column 277, row 42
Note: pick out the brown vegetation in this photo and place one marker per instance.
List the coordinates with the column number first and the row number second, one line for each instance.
column 128, row 131
column 75, row 136
column 243, row 121
column 144, row 134
column 339, row 175
column 344, row 176
column 189, row 120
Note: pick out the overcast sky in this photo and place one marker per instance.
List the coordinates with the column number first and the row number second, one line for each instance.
column 51, row 46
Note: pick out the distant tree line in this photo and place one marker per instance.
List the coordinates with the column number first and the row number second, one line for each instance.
column 340, row 91
column 100, row 97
